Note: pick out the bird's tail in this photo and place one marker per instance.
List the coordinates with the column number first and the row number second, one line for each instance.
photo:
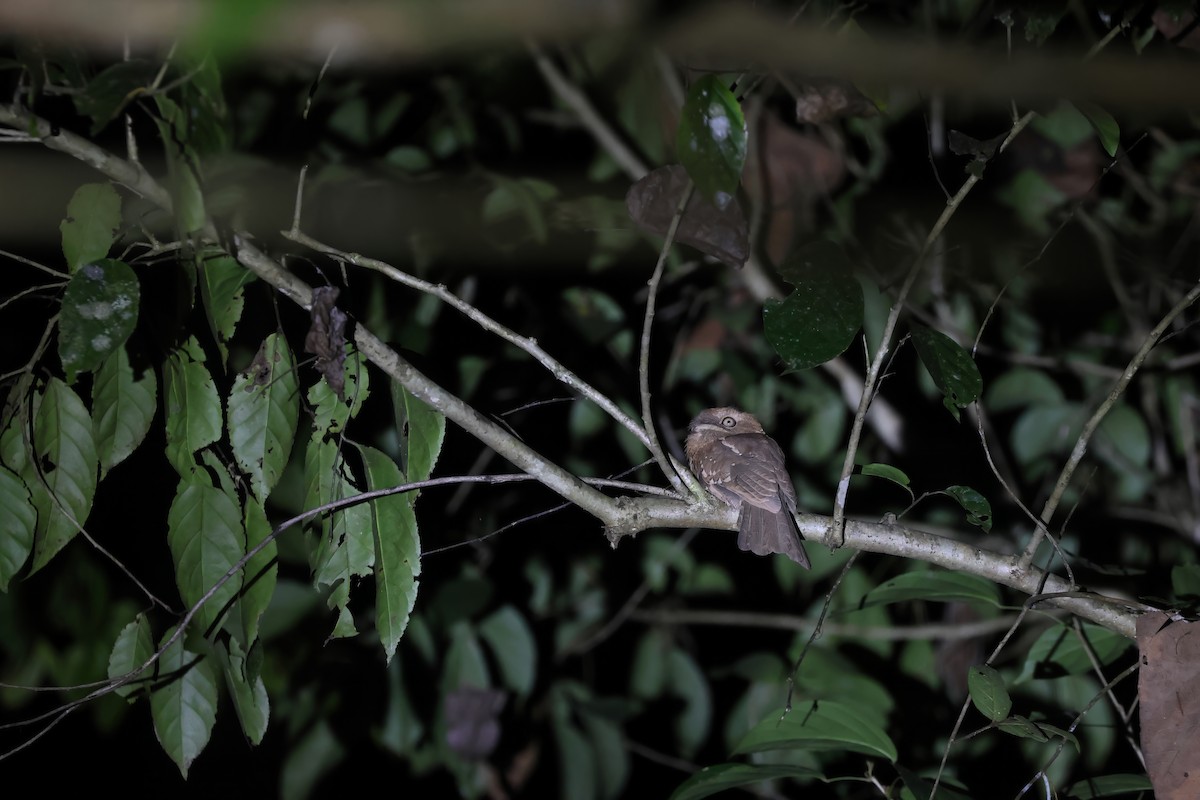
column 761, row 532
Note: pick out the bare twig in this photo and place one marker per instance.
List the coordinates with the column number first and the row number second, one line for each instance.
column 1089, row 428
column 873, row 373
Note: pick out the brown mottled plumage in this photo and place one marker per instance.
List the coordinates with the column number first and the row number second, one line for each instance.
column 741, row 466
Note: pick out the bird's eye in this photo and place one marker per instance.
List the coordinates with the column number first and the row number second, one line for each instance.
column 728, row 422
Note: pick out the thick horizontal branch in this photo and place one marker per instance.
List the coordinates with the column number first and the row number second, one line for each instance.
column 370, row 32
column 622, row 515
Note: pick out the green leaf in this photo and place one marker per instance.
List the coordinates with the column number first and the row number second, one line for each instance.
column 204, row 532
column 577, row 763
column 819, row 319
column 422, row 430
column 1109, row 786
column 1045, row 430
column 711, row 139
column 258, row 576
column 951, row 367
column 402, row 727
column 182, row 164
column 721, row 777
column 1106, row 127
column 184, row 703
column 222, row 281
column 1038, row 731
column 1059, row 652
column 397, row 550
column 1032, row 197
column 934, row 586
column 824, row 726
column 99, row 311
column 1124, row 429
column 124, row 407
column 988, row 692
column 131, row 650
column 887, row 472
column 979, row 510
column 110, row 92
column 264, row 407
column 193, row 408
column 93, row 219
column 511, row 640
column 331, row 414
column 1020, row 387
column 247, row 690
column 17, row 526
column 648, row 675
column 687, row 682
column 317, row 752
column 611, row 752
column 62, row 478
column 408, row 158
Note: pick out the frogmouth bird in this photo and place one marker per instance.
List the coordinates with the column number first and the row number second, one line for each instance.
column 741, row 466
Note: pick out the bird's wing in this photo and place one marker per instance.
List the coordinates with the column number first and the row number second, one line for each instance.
column 758, row 475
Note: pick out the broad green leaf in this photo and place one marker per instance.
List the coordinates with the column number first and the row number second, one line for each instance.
column 819, row 319
column 1106, row 127
column 721, row 777
column 315, row 754
column 258, row 576
column 711, row 139
column 222, row 281
column 131, row 650
column 341, row 545
column 1032, row 197
column 1020, row 387
column 110, row 92
column 1038, row 731
column 824, row 726
column 611, row 752
column 408, row 158
column 17, row 525
column 933, row 586
column 397, row 550
column 648, row 674
column 204, row 532
column 465, row 663
column 93, row 219
column 182, row 165
column 688, row 682
column 247, row 690
column 331, row 414
column 1109, row 786
column 988, row 692
column 511, row 641
column 887, row 472
column 951, row 367
column 62, row 479
column 264, row 408
column 193, row 408
column 979, row 510
column 99, row 311
column 421, row 430
column 124, row 408
column 1126, row 431
column 402, row 727
column 184, row 702
column 1059, row 652
column 1045, row 430
column 576, row 763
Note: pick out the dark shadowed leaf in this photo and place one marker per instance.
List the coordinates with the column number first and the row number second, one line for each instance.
column 107, row 94
column 99, row 311
column 93, row 218
column 818, row 320
column 988, row 692
column 133, row 647
column 720, row 233
column 979, row 510
column 824, row 726
column 936, row 586
column 951, row 367
column 721, row 777
column 17, row 525
column 711, row 140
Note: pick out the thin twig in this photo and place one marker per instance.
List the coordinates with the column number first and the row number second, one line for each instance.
column 843, row 487
column 670, row 469
column 29, row 262
column 1089, row 428
column 529, row 345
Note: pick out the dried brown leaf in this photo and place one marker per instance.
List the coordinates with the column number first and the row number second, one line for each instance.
column 1169, row 696
column 722, row 234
